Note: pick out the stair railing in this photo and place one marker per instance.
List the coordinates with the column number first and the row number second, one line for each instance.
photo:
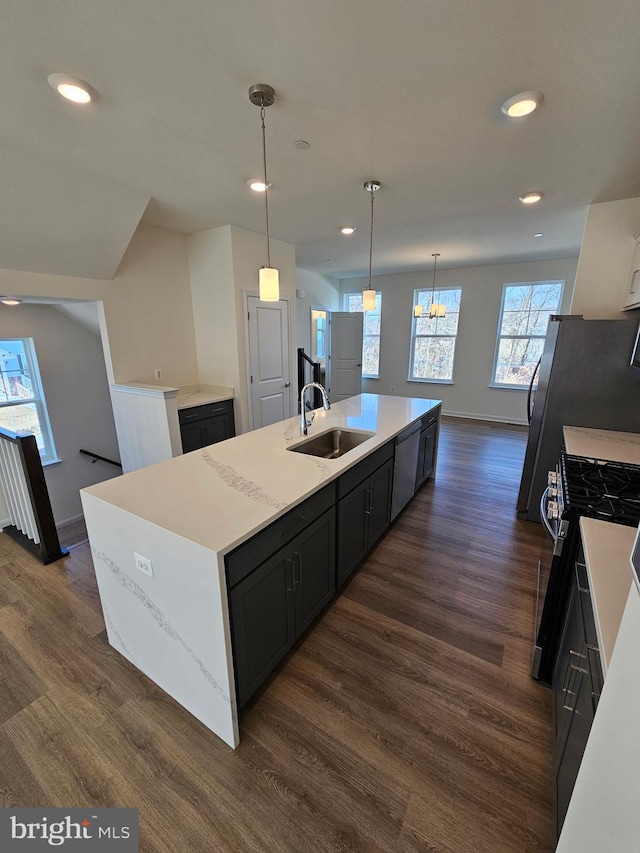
column 27, row 497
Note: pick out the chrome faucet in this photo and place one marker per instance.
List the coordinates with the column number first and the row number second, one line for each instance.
column 304, row 423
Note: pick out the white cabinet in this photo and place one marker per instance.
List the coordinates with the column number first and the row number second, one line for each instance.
column 631, row 298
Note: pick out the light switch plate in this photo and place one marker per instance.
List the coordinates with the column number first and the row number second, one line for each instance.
column 143, row 564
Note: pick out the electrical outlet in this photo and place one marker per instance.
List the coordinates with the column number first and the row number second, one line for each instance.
column 143, row 564
column 392, row 389
column 157, row 373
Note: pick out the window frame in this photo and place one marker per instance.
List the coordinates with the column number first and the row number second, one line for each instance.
column 345, row 307
column 414, row 335
column 511, row 386
column 48, row 452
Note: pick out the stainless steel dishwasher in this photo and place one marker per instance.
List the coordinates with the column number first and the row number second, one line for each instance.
column 406, row 464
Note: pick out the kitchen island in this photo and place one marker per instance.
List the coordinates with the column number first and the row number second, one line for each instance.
column 159, row 537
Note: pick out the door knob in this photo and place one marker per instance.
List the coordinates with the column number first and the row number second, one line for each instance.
column 287, row 384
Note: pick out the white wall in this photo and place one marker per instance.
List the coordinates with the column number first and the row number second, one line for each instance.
column 74, row 381
column 470, row 395
column 147, row 307
column 320, row 291
column 605, row 259
column 223, row 265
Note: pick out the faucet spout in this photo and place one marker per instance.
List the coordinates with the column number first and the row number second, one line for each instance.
column 326, row 405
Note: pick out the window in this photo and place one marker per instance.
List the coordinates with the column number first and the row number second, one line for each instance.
column 433, row 342
column 371, row 337
column 524, row 316
column 22, row 405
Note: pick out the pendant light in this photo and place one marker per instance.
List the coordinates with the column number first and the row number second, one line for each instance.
column 263, row 96
column 435, row 310
column 369, row 295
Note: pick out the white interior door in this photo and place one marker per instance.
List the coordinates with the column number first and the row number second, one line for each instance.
column 269, row 374
column 345, row 354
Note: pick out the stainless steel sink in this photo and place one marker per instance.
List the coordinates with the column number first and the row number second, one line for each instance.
column 331, row 444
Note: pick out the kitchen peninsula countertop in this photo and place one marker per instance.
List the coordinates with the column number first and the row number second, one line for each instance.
column 606, row 548
column 223, row 494
column 605, row 444
column 199, row 395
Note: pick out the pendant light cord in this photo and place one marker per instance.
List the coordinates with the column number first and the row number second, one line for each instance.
column 371, row 238
column 266, row 184
column 433, row 288
column 435, row 257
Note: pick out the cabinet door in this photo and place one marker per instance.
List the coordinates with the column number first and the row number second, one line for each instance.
column 421, row 452
column 353, row 530
column 579, row 725
column 263, row 621
column 314, row 569
column 193, row 436
column 569, row 657
column 429, row 450
column 426, row 453
column 380, row 488
column 217, row 429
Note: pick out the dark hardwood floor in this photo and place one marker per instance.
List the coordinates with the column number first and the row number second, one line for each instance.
column 405, row 720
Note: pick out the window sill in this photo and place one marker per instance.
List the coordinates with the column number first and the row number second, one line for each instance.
column 56, row 461
column 432, row 381
column 508, row 387
column 365, row 376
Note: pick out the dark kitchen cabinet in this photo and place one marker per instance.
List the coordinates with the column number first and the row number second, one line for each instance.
column 204, row 425
column 276, row 602
column 577, row 683
column 263, row 621
column 363, row 516
column 427, row 448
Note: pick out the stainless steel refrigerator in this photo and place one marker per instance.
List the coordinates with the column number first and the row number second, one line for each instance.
column 583, row 380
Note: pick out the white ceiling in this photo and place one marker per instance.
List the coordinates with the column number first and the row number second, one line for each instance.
column 408, row 93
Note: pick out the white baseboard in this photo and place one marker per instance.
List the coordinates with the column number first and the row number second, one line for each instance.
column 4, row 522
column 71, row 520
column 496, row 418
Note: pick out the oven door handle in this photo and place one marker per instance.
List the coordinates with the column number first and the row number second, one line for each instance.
column 543, row 515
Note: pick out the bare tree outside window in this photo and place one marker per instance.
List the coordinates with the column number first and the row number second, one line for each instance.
column 22, row 406
column 524, row 317
column 433, row 341
column 371, row 336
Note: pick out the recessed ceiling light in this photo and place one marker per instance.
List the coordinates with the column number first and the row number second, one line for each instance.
column 72, row 89
column 301, row 144
column 348, row 229
column 11, row 300
column 523, row 104
column 531, row 198
column 258, row 186
column 539, row 234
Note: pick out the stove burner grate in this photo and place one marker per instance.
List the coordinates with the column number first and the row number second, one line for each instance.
column 601, row 489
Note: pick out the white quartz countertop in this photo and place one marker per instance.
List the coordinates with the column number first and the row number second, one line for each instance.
column 221, row 495
column 603, row 444
column 191, row 396
column 607, row 548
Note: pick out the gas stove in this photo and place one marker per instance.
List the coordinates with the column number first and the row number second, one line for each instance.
column 600, row 489
column 596, row 488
